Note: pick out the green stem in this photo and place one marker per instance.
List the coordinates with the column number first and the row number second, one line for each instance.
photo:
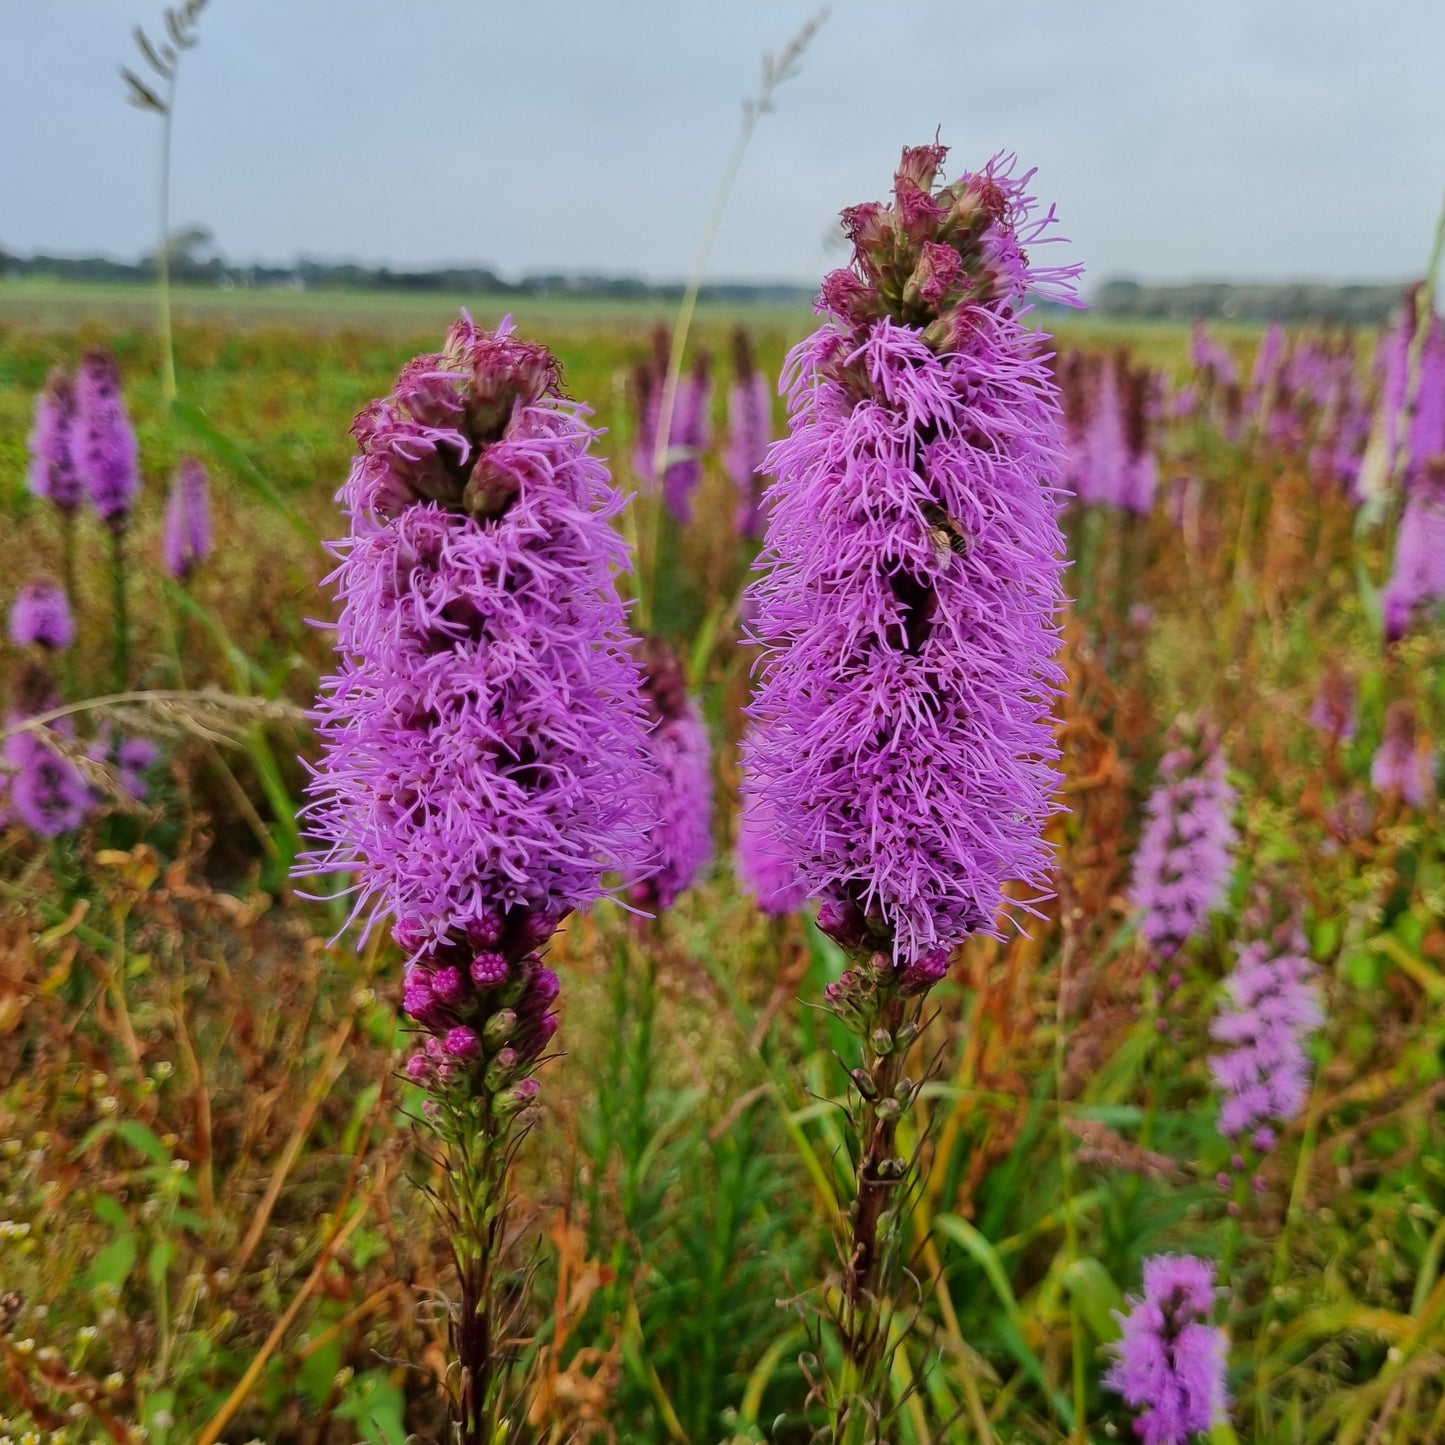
column 163, row 250
column 119, row 610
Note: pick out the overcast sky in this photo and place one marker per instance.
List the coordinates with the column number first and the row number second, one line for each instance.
column 1220, row 138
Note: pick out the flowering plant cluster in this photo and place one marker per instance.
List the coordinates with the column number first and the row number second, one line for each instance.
column 1182, row 868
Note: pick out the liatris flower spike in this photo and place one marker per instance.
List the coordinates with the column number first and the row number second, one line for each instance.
column 750, row 429
column 1405, row 765
column 186, row 542
column 1270, row 1010
column 681, row 781
column 106, row 454
column 1182, row 868
column 1418, row 578
column 54, row 464
column 1169, row 1362
column 110, row 469
column 46, row 791
column 40, row 615
column 912, row 568
column 483, row 765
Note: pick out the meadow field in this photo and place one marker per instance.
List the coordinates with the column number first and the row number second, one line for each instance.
column 211, row 1225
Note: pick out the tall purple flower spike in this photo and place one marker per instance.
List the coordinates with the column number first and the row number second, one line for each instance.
column 1169, row 1362
column 40, row 785
column 912, row 569
column 1405, row 764
column 483, row 751
column 1185, row 856
column 54, row 443
column 680, row 783
column 40, row 615
column 106, row 452
column 688, row 434
column 1270, row 1009
column 750, row 429
column 1418, row 578
column 186, row 542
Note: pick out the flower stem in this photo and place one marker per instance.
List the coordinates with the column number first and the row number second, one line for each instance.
column 119, row 609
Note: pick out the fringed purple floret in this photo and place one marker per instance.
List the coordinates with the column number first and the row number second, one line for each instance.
column 680, row 782
column 186, row 542
column 107, row 455
column 750, row 430
column 1405, row 766
column 40, row 615
column 1270, row 1010
column 912, row 565
column 762, row 862
column 483, row 761
column 1182, row 867
column 54, row 464
column 1169, row 1363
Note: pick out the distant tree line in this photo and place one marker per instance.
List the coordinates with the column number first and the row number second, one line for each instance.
column 194, row 261
column 1231, row 301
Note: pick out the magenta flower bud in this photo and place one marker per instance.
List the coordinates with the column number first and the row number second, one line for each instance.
column 843, row 922
column 1236, row 1161
column 106, row 454
column 499, row 1028
column 54, row 467
column 1264, row 1140
column 1223, row 1180
column 462, row 1043
column 502, row 1068
column 418, row 1068
column 489, row 969
column 417, row 998
column 922, row 973
column 40, row 615
column 449, row 986
column 485, row 931
column 186, row 542
column 537, row 927
column 1259, row 1184
column 1169, row 1362
column 681, row 781
column 543, row 989
column 517, row 1098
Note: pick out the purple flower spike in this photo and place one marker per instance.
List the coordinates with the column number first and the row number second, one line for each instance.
column 187, row 539
column 54, row 465
column 106, row 454
column 1182, row 868
column 484, row 761
column 691, row 429
column 1405, row 765
column 750, row 429
column 40, row 615
column 45, row 789
column 1270, row 1010
column 1418, row 578
column 681, row 781
column 762, row 861
column 912, row 569
column 1169, row 1363
column 1333, row 711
